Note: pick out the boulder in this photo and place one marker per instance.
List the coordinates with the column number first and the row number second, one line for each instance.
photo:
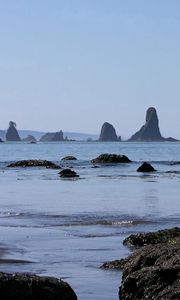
column 68, row 173
column 19, row 286
column 108, row 133
column 12, row 133
column 111, row 158
column 1, row 141
column 69, row 158
column 34, row 163
column 146, row 167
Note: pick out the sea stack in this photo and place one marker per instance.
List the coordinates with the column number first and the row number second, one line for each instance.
column 150, row 131
column 52, row 137
column 12, row 133
column 108, row 133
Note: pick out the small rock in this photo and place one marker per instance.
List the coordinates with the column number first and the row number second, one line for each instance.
column 117, row 264
column 69, row 158
column 145, row 167
column 111, row 158
column 68, row 173
column 34, row 163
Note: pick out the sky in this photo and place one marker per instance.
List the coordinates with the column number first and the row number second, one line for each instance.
column 74, row 64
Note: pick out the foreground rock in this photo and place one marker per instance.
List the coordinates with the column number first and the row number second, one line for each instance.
column 12, row 133
column 34, row 163
column 152, row 272
column 146, row 167
column 150, row 130
column 111, row 158
column 68, row 173
column 108, row 133
column 19, row 286
column 69, row 158
column 160, row 236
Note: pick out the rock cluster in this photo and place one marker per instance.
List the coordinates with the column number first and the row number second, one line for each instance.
column 34, row 163
column 110, row 158
column 18, row 286
column 12, row 133
column 108, row 133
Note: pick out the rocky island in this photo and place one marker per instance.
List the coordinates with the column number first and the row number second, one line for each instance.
column 12, row 134
column 108, row 133
column 150, row 131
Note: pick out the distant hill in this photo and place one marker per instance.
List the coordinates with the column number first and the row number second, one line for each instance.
column 37, row 134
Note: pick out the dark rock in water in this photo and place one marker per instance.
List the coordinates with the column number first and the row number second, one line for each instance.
column 19, row 286
column 52, row 137
column 152, row 272
column 1, row 141
column 30, row 139
column 68, row 173
column 69, row 158
column 95, row 167
column 114, row 265
column 161, row 236
column 111, row 158
column 150, row 131
column 12, row 133
column 145, row 167
column 34, row 163
column 108, row 133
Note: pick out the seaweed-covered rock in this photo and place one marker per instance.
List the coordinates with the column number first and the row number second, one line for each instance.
column 146, row 167
column 111, row 158
column 117, row 264
column 34, row 163
column 69, row 158
column 68, row 173
column 152, row 272
column 160, row 236
column 19, row 286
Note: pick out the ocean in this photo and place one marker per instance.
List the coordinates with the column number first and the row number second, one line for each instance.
column 68, row 228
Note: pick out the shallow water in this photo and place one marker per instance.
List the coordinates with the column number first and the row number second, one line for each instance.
column 68, row 228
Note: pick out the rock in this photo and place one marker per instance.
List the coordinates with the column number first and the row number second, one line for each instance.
column 12, row 133
column 19, row 286
column 111, row 158
column 30, row 139
column 108, row 133
column 69, row 158
column 52, row 137
column 114, row 265
column 150, row 131
column 34, row 163
column 145, row 167
column 152, row 272
column 68, row 173
column 161, row 236
column 1, row 141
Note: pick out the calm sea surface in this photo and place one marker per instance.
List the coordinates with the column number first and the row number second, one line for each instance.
column 68, row 228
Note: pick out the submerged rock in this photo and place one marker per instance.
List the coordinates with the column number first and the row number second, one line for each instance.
column 108, row 133
column 69, row 158
column 146, row 167
column 68, row 173
column 19, row 286
column 111, row 158
column 12, row 133
column 34, row 163
column 150, row 131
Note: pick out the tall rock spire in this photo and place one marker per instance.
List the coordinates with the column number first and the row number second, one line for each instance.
column 12, row 133
column 108, row 133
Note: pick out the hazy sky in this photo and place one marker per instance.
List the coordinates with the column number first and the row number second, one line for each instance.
column 73, row 64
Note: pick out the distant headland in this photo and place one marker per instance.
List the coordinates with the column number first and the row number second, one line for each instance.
column 149, row 132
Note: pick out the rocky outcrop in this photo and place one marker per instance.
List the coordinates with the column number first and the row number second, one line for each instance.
column 12, row 133
column 145, row 168
column 18, row 286
column 110, row 158
column 108, row 133
column 150, row 131
column 52, row 137
column 69, row 158
column 34, row 163
column 1, row 141
column 30, row 139
column 68, row 173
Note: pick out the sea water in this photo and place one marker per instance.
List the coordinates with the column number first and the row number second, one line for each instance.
column 68, row 228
